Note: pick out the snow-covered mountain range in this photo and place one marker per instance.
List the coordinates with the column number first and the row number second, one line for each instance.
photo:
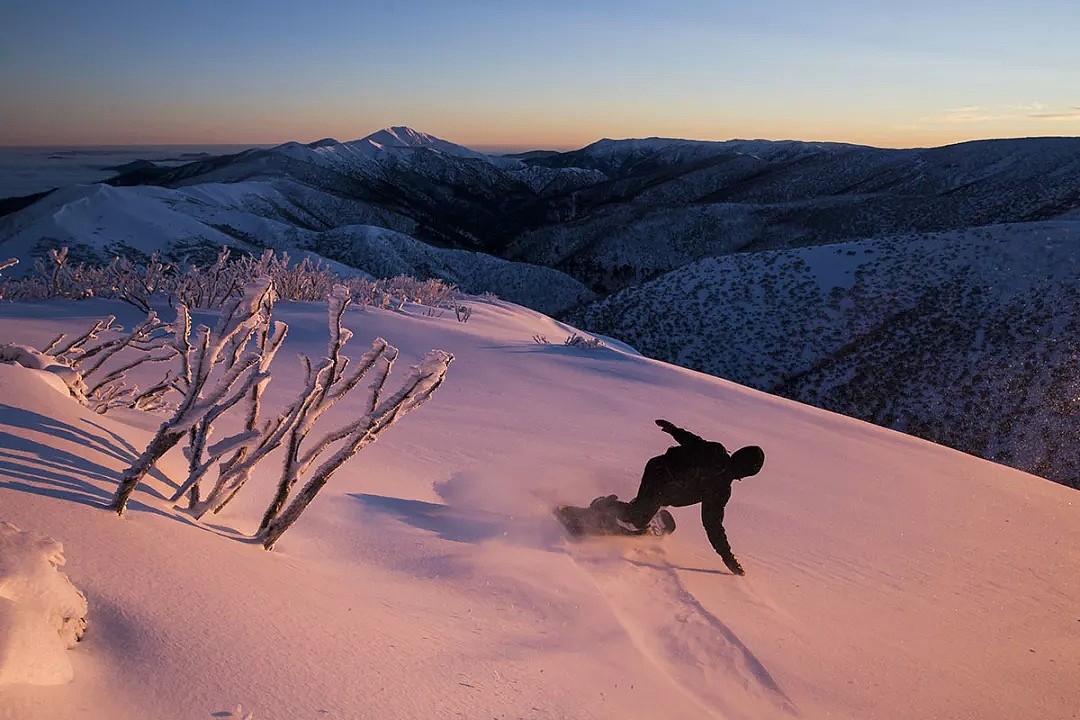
column 678, row 245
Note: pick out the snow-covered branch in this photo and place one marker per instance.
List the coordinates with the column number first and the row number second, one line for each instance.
column 240, row 318
column 234, row 474
column 331, row 388
column 112, row 389
column 137, row 284
column 239, row 445
column 417, row 388
column 76, row 348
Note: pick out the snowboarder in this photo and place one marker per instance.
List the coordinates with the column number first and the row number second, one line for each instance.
column 694, row 471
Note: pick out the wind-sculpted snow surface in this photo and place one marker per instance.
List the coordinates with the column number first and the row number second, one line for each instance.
column 970, row 339
column 34, row 359
column 41, row 613
column 887, row 577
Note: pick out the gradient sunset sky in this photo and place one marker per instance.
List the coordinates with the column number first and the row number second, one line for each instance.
column 503, row 74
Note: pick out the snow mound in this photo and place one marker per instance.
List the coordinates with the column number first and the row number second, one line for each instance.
column 70, row 380
column 41, row 612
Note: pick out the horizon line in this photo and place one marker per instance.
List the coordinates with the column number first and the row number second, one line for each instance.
column 508, row 148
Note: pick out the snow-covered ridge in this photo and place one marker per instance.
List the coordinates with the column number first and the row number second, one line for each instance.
column 394, row 141
column 405, row 137
column 100, row 221
column 611, row 147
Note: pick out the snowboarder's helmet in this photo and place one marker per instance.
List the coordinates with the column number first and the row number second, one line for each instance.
column 747, row 461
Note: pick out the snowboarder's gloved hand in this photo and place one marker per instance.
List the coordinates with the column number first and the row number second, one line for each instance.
column 666, row 426
column 733, row 565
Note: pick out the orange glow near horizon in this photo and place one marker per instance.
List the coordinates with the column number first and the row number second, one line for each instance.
column 509, row 138
column 556, row 75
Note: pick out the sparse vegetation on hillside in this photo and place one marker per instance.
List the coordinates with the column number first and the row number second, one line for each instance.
column 209, row 286
column 213, row 371
column 968, row 339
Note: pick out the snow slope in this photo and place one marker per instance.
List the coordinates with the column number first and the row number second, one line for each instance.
column 887, row 577
column 968, row 338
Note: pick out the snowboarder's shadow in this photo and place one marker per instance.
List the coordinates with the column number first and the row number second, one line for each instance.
column 473, row 526
column 448, row 523
column 672, row 566
column 456, row 524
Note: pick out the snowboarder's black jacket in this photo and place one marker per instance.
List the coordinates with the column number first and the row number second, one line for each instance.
column 694, row 471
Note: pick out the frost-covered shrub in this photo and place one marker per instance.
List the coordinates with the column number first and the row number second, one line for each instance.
column 41, row 612
column 105, row 383
column 221, row 368
column 4, row 265
column 211, row 285
column 573, row 340
column 307, row 280
column 246, row 447
column 82, row 363
column 325, row 385
column 64, row 280
column 205, row 398
column 579, row 341
column 382, row 411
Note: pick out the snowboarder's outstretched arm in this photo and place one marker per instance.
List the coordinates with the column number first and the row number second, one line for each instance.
column 712, row 517
column 683, row 437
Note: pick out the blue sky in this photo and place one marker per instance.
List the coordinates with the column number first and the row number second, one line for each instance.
column 536, row 74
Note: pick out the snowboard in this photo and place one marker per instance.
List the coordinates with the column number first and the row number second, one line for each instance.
column 600, row 519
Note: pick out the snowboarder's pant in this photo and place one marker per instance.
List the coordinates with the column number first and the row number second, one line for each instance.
column 650, row 495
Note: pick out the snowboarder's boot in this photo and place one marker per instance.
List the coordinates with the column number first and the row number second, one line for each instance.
column 603, row 502
column 662, row 523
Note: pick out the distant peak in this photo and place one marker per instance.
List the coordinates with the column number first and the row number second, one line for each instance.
column 402, row 136
column 405, row 132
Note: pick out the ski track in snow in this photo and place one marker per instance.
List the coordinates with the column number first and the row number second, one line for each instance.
column 690, row 645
